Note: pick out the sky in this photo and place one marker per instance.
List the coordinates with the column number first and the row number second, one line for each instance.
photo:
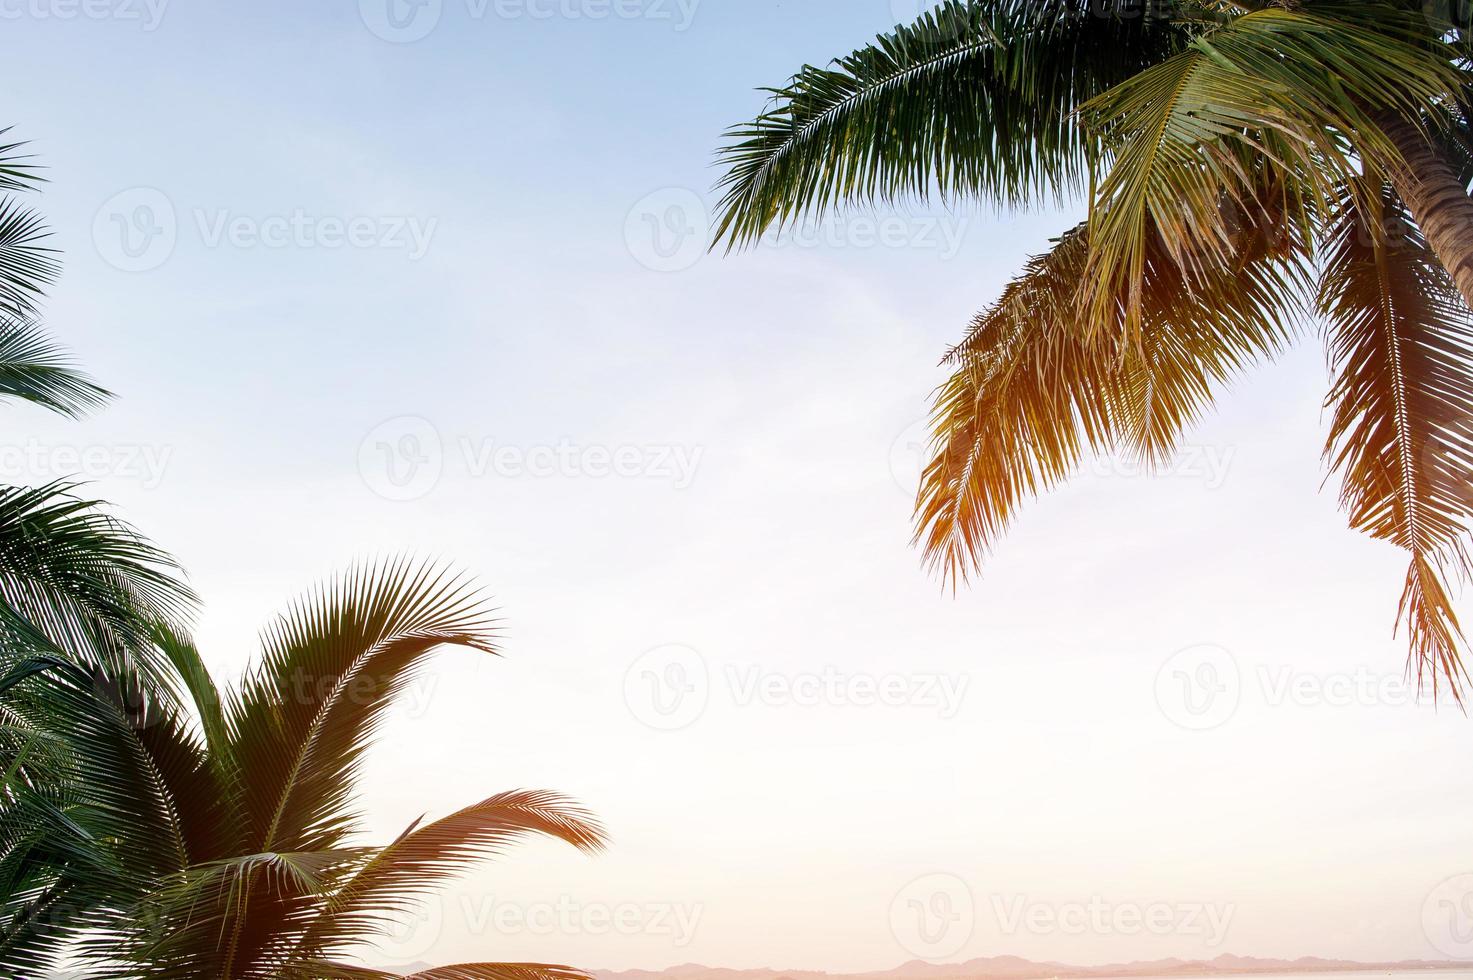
column 432, row 279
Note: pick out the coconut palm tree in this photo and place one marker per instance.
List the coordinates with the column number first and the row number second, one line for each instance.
column 214, row 836
column 1247, row 166
column 83, row 579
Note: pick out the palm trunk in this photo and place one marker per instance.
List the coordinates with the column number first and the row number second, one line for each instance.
column 1437, row 199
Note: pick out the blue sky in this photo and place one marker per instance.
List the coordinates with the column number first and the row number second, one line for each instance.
column 674, row 468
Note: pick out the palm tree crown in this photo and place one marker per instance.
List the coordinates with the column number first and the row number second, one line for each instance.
column 201, row 836
column 1249, row 166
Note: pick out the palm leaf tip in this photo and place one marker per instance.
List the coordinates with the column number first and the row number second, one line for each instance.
column 17, row 172
column 1438, row 645
column 501, row 971
column 36, row 369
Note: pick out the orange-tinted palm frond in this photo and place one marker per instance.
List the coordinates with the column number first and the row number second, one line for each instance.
column 1035, row 389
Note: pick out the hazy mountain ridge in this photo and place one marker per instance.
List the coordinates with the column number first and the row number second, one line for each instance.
column 1017, row 968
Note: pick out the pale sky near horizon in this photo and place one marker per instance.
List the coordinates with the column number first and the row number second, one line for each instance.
column 432, row 282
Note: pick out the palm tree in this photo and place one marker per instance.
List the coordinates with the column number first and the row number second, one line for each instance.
column 1248, row 166
column 81, row 578
column 214, row 837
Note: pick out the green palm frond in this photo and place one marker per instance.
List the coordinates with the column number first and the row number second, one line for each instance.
column 88, row 582
column 974, row 98
column 27, row 265
column 1400, row 342
column 17, row 172
column 34, row 368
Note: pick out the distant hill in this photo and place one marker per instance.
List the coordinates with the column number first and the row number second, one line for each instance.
column 1016, row 968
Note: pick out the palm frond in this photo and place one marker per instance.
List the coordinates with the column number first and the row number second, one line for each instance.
column 88, row 582
column 136, row 847
column 1035, row 389
column 331, row 666
column 34, row 368
column 17, row 172
column 424, row 857
column 501, row 971
column 1294, row 89
column 976, row 97
column 27, row 265
column 1400, row 344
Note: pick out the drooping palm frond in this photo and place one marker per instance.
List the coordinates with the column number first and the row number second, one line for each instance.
column 34, row 368
column 1034, row 389
column 977, row 97
column 1291, row 89
column 1400, row 343
column 85, row 580
column 1186, row 124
